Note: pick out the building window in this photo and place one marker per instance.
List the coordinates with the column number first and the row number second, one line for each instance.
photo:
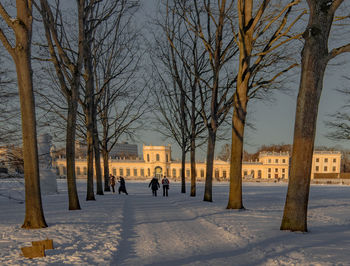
column 334, row 160
column 317, row 160
column 283, row 170
column 78, row 170
column 245, row 173
column 135, row 172
column 252, row 173
column 127, row 172
column 276, row 160
column 325, row 168
column 224, row 174
column 216, row 173
column 142, row 172
column 121, row 171
column 174, row 172
column 276, row 175
column 149, row 172
column 283, row 176
column 326, row 160
column 317, row 168
column 269, row 170
column 269, row 175
column 147, row 157
column 269, row 160
column 157, row 157
column 334, row 169
column 167, row 158
column 114, row 171
column 283, row 160
column 259, row 173
column 188, row 173
column 276, row 170
column 202, row 173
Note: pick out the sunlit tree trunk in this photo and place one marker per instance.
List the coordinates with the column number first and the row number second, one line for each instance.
column 315, row 57
column 21, row 54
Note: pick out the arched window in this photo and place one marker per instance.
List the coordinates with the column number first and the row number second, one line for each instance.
column 114, row 171
column 135, row 172
column 121, row 171
column 174, row 172
column 149, row 172
column 216, row 173
column 142, row 172
column 78, row 170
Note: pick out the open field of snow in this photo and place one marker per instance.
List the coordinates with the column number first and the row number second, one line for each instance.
column 138, row 229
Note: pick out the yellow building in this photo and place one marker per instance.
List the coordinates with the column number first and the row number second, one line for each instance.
column 157, row 161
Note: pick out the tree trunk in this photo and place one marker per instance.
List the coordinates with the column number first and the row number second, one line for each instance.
column 90, row 159
column 193, row 168
column 99, row 189
column 314, row 62
column 34, row 214
column 183, row 166
column 210, row 164
column 105, row 156
column 70, row 152
column 238, row 123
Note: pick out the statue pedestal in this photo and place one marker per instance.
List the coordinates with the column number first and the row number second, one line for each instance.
column 48, row 184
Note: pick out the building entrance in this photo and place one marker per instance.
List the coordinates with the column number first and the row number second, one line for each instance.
column 158, row 172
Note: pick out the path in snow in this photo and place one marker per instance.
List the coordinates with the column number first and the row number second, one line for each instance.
column 159, row 231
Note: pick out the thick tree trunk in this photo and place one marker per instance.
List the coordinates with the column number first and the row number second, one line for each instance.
column 34, row 214
column 193, row 168
column 99, row 187
column 314, row 62
column 210, row 164
column 70, row 152
column 105, row 156
column 183, row 170
column 238, row 123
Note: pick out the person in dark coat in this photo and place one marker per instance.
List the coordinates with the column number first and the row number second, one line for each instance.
column 154, row 184
column 112, row 182
column 165, row 183
column 122, row 187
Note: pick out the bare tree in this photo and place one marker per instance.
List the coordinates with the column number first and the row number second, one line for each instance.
column 182, row 60
column 20, row 51
column 212, row 22
column 67, row 60
column 263, row 30
column 118, row 98
column 315, row 57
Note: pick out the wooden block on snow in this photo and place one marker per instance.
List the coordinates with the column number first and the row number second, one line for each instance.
column 46, row 244
column 33, row 251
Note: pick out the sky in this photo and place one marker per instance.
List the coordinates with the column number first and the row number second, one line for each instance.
column 274, row 121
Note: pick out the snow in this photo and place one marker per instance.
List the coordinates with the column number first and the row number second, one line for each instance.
column 138, row 229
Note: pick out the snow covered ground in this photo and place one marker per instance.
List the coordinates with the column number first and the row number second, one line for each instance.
column 138, row 229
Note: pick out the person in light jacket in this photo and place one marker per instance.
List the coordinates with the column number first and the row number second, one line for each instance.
column 154, row 184
column 165, row 183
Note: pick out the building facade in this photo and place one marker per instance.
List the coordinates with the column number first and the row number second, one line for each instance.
column 157, row 161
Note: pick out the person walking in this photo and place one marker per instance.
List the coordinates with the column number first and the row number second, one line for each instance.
column 165, row 183
column 154, row 184
column 112, row 182
column 122, row 187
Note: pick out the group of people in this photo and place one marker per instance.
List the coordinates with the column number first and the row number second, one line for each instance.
column 122, row 187
column 154, row 185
